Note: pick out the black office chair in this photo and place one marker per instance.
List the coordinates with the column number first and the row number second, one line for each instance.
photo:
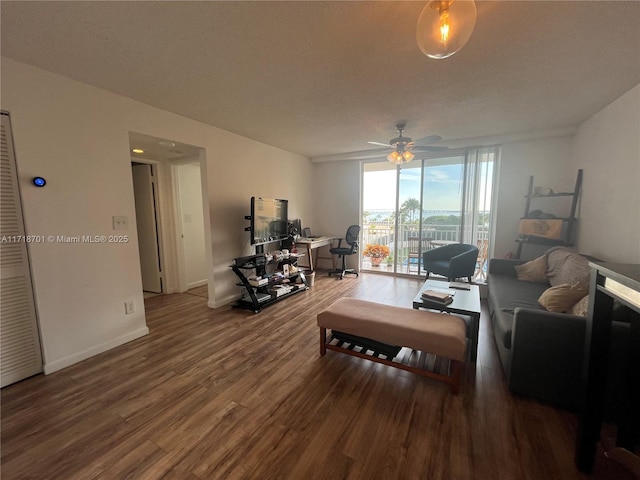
column 351, row 239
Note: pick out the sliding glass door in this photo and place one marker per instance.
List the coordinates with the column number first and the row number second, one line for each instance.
column 380, row 203
column 426, row 204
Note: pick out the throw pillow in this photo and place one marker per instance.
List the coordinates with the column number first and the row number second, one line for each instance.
column 581, row 308
column 533, row 271
column 564, row 266
column 561, row 297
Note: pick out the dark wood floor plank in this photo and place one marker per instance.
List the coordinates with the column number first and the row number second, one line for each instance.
column 229, row 394
column 63, row 454
column 125, row 460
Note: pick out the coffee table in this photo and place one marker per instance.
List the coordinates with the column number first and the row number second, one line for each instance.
column 465, row 302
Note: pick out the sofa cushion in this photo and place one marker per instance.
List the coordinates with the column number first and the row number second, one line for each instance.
column 506, row 294
column 564, row 266
column 561, row 297
column 533, row 271
column 503, row 326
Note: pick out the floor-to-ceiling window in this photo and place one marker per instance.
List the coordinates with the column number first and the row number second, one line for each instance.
column 425, row 204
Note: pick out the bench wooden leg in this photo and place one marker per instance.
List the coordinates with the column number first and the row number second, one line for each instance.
column 323, row 340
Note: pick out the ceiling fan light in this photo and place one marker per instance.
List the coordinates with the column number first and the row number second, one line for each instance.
column 395, row 157
column 407, row 156
column 444, row 27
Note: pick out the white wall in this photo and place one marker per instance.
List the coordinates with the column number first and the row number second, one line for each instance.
column 548, row 160
column 77, row 137
column 336, row 195
column 607, row 147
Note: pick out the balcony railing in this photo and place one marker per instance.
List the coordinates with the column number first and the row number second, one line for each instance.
column 407, row 253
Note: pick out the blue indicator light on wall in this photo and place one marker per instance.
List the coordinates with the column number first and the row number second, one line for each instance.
column 39, row 181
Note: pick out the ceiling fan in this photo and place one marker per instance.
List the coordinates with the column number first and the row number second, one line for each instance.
column 403, row 147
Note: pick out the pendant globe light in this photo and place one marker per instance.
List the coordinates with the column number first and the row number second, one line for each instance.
column 444, row 27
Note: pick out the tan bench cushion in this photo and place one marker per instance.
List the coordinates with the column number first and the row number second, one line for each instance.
column 430, row 332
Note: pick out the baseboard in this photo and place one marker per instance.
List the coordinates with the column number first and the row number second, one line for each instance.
column 51, row 367
column 222, row 302
column 199, row 283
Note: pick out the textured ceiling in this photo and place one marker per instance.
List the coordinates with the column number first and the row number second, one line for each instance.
column 323, row 78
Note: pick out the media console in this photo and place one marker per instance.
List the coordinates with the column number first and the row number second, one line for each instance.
column 262, row 288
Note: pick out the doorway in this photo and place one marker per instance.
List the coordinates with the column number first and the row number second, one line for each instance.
column 149, row 244
column 166, row 158
column 190, row 236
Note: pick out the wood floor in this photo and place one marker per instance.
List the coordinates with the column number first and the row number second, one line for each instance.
column 228, row 394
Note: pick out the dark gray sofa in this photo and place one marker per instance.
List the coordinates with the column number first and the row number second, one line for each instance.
column 542, row 352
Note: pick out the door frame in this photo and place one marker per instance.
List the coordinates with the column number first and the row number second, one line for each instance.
column 158, row 212
column 181, row 270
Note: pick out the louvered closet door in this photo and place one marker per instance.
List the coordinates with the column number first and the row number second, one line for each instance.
column 20, row 355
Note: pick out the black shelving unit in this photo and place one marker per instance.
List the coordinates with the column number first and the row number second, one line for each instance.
column 568, row 222
column 258, row 297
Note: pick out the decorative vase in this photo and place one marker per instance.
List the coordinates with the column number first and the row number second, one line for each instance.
column 375, row 261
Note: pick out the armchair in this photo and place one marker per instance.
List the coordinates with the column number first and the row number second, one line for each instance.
column 453, row 261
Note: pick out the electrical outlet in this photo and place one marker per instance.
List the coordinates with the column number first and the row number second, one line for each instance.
column 120, row 222
column 129, row 307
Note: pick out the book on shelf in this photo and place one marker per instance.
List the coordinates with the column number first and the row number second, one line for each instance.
column 258, row 282
column 261, row 297
column 279, row 290
column 437, row 297
column 460, row 285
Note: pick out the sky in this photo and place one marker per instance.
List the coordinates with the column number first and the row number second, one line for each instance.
column 442, row 188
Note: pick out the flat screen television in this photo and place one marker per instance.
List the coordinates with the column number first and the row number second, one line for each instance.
column 268, row 220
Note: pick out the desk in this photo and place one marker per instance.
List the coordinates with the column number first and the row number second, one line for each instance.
column 608, row 282
column 313, row 244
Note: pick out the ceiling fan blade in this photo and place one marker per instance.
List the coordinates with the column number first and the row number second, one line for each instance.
column 426, row 140
column 433, row 148
column 378, row 143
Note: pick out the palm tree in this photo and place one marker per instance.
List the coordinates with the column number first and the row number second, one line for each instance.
column 410, row 206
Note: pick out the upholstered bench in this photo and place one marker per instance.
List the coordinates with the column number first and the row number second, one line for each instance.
column 434, row 333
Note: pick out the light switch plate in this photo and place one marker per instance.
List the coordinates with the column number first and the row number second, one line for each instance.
column 120, row 222
column 129, row 306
